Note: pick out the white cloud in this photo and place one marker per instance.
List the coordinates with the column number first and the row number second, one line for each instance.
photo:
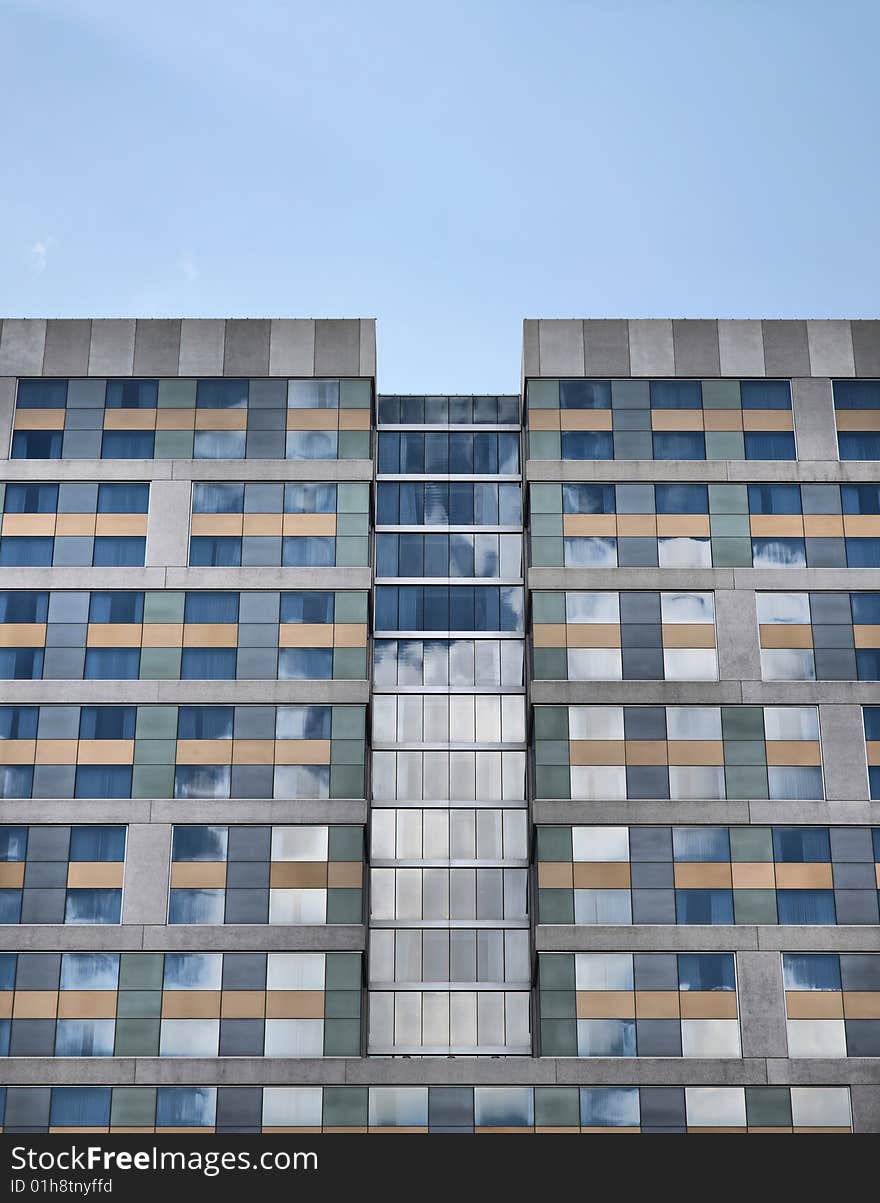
column 39, row 253
column 188, row 266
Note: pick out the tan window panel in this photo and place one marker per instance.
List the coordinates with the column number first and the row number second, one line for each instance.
column 753, row 875
column 87, row 1004
column 29, row 524
column 695, row 751
column 857, row 419
column 295, row 1004
column 305, row 634
column 814, row 1004
column 22, row 634
column 121, row 524
column 694, row 526
column 175, row 419
column 585, row 419
column 298, row 875
column 217, row 524
column 221, row 419
column 646, row 751
column 264, row 525
column 6, row 999
column 688, row 634
column 591, row 634
column 198, row 875
column 302, row 751
column 589, row 524
column 722, row 419
column 114, row 634
column 354, row 419
column 596, row 751
column 130, row 419
column 777, row 526
column 702, row 875
column 782, row 634
column 55, row 751
column 601, row 875
column 636, row 524
column 11, row 875
column 676, row 419
column 606, row 1004
column 105, row 751
column 312, row 419
column 39, row 419
column 345, row 875
column 309, row 524
column 204, row 751
column 866, row 635
column 210, row 634
column 767, row 419
column 864, row 526
column 35, row 1004
column 555, row 875
column 76, row 524
column 873, row 749
column 861, row 1004
column 708, row 1004
column 815, row 875
column 253, row 751
column 191, row 1004
column 162, row 634
column 823, row 526
column 657, row 1004
column 350, row 634
column 95, row 875
column 793, row 751
column 544, row 419
column 243, row 1004
column 23, row 751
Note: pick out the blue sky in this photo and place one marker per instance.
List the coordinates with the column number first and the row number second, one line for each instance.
column 447, row 168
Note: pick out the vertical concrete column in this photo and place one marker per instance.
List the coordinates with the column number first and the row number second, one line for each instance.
column 168, row 528
column 843, row 753
column 7, row 406
column 736, row 626
column 147, row 872
column 865, row 1108
column 814, row 425
column 761, row 1004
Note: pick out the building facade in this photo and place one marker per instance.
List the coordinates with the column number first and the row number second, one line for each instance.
column 454, row 764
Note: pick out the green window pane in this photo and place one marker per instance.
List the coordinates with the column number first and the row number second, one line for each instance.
column 542, row 394
column 545, row 499
column 354, row 444
column 545, row 444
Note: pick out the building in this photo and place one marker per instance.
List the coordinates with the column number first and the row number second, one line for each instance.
column 440, row 763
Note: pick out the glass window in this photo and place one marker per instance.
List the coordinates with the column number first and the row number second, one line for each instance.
column 30, row 499
column 186, row 1106
column 791, row 722
column 701, row 843
column 41, row 394
column 123, row 498
column 214, row 498
column 774, row 499
column 131, row 394
column 103, row 781
column 127, row 444
column 112, row 663
column 588, row 499
column 199, row 843
column 211, row 607
column 310, row 607
column 127, row 607
column 681, row 499
column 310, row 499
column 783, row 608
column 311, row 444
column 107, row 722
column 97, row 843
column 222, row 394
column 679, row 444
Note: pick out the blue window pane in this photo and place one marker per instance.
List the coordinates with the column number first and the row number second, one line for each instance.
column 305, row 664
column 706, row 971
column 701, row 843
column 855, row 499
column 18, row 722
column 765, row 394
column 219, row 444
column 503, row 1107
column 848, row 394
column 805, row 906
column 80, row 1107
column 41, row 394
column 127, row 444
column 801, row 845
column 679, row 444
column 437, row 452
column 125, row 607
column 865, row 608
column 21, row 663
column 29, row 551
column 192, row 971
column 386, row 557
column 19, row 605
column 609, row 1106
column 704, row 906
column 30, row 499
column 8, row 964
column 584, row 394
column 199, row 843
column 606, row 1037
column 387, row 503
column 309, row 499
column 211, row 607
column 218, row 499
column 681, row 499
column 84, row 1037
column 313, row 394
column 89, row 971
column 779, row 553
column 97, row 843
column 313, row 606
column 863, row 553
column 13, row 843
column 93, row 906
column 215, row 551
column 872, row 722
column 208, row 664
column 112, row 664
column 389, row 408
column 311, row 444
column 385, row 616
column 123, row 499
column 676, row 394
column 776, row 444
column 196, row 906
column 811, row 971
column 222, row 394
column 389, row 451
column 774, row 499
column 303, row 722
column 508, row 452
column 103, row 781
column 201, row 781
column 204, row 722
column 308, row 551
column 16, row 780
column 132, row 394
column 36, row 444
column 868, row 664
column 588, row 499
column 587, row 444
column 794, row 781
column 10, row 906
column 185, row 1106
column 107, row 722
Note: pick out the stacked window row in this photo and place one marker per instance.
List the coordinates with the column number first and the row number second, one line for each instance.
column 61, row 874
column 449, row 609
column 677, row 752
column 270, row 525
column 620, row 1004
column 450, row 1022
column 708, row 875
column 448, row 503
column 182, row 751
column 608, row 636
column 189, row 1004
column 415, row 663
column 660, row 419
column 856, row 406
column 444, row 555
column 170, row 635
column 448, row 719
column 819, row 636
column 704, row 526
column 192, row 419
column 440, row 957
column 73, row 524
column 457, row 453
column 438, row 1109
column 247, row 874
column 462, row 410
column 832, row 1004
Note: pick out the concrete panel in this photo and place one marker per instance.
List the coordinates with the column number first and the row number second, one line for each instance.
column 292, row 347
column 147, row 869
column 670, row 693
column 337, row 347
column 269, row 578
column 866, row 347
column 819, row 939
column 658, row 1071
column 606, row 347
column 866, row 1108
column 761, row 1004
column 651, row 348
column 736, row 625
column 21, row 346
column 156, row 347
column 67, row 347
column 843, row 753
column 831, row 348
column 531, row 360
column 824, row 1072
column 633, row 812
column 201, row 346
column 247, row 348
column 368, row 347
column 815, row 428
column 561, row 347
column 645, row 938
column 786, row 352
column 111, row 352
column 7, row 408
column 188, row 692
column 741, row 348
column 168, row 529
column 49, row 937
column 257, row 938
column 696, row 349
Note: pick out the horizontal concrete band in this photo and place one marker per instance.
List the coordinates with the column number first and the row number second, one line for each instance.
column 178, row 810
column 622, row 471
column 700, row 938
column 764, row 813
column 131, row 937
column 187, row 470
column 264, row 692
column 267, row 578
